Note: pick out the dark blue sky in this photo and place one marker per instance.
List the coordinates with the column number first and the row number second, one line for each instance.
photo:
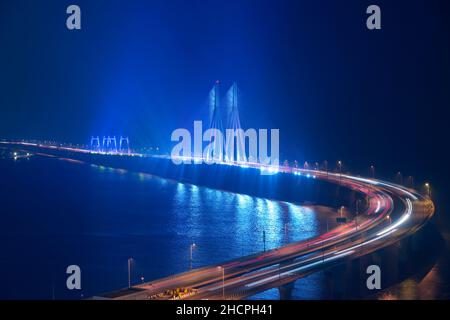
column 310, row 68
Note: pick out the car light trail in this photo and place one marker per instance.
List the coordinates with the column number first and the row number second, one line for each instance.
column 369, row 241
column 378, row 206
column 401, row 220
column 290, row 272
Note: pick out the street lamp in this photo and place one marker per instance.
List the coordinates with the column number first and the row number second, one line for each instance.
column 130, row 260
column 191, row 247
column 372, row 171
column 411, row 181
column 400, row 177
column 357, row 212
column 264, row 240
column 342, row 208
column 340, row 170
column 223, row 281
column 427, row 185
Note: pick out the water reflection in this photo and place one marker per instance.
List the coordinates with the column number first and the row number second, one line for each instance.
column 227, row 225
column 102, row 216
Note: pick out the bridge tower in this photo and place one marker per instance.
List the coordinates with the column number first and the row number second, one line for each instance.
column 95, row 143
column 122, row 142
column 112, row 144
column 234, row 123
column 104, row 144
column 215, row 119
column 108, row 144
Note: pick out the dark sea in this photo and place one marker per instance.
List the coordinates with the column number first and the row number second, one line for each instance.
column 57, row 212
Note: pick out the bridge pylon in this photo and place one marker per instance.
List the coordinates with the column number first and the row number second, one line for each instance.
column 215, row 122
column 122, row 142
column 95, row 143
column 234, row 123
column 104, row 144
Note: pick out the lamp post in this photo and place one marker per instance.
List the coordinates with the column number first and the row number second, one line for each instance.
column 357, row 212
column 400, row 177
column 372, row 171
column 428, row 187
column 411, row 181
column 341, row 211
column 264, row 240
column 340, row 171
column 191, row 248
column 223, row 281
column 130, row 260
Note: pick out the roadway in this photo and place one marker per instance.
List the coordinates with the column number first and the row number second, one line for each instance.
column 392, row 212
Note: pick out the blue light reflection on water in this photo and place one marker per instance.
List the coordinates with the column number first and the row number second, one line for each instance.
column 97, row 217
column 234, row 223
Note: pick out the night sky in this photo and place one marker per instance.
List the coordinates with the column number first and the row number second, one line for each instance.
column 310, row 68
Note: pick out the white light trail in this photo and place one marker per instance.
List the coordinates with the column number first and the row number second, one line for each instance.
column 401, row 220
column 290, row 272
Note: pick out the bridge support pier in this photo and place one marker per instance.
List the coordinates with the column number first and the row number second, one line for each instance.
column 390, row 264
column 353, row 278
column 285, row 291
